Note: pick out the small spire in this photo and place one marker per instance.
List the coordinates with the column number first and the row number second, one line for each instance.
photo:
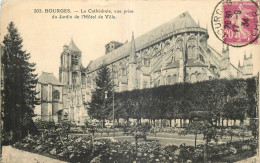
column 238, row 63
column 251, row 55
column 244, row 54
column 132, row 56
column 72, row 46
column 225, row 47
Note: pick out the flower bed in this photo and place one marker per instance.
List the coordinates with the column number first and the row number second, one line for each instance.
column 84, row 149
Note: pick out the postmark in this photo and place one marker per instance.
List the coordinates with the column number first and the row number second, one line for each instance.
column 236, row 22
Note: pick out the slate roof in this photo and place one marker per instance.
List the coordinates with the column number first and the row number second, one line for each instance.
column 175, row 64
column 179, row 22
column 73, row 46
column 48, row 78
column 158, row 69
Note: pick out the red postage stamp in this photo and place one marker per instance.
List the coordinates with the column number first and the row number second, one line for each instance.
column 240, row 22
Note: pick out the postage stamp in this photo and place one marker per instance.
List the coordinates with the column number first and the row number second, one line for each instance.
column 236, row 22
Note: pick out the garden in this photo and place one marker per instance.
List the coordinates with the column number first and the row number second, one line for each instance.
column 203, row 111
column 87, row 146
column 88, row 149
column 201, row 120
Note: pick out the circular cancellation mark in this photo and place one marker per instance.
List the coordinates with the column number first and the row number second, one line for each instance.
column 236, row 22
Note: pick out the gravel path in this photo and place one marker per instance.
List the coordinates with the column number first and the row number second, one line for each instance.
column 254, row 159
column 12, row 155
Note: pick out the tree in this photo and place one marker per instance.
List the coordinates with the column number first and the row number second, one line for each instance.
column 101, row 100
column 19, row 94
column 209, row 133
column 194, row 128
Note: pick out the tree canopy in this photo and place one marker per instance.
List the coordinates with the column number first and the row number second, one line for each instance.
column 233, row 99
column 19, row 94
column 101, row 100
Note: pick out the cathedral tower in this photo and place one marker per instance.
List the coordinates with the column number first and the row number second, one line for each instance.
column 132, row 78
column 69, row 73
column 247, row 67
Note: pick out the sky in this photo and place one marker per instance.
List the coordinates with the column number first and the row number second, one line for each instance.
column 44, row 37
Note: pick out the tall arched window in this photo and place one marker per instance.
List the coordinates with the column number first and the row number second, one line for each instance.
column 74, row 77
column 203, row 42
column 199, row 77
column 191, row 48
column 74, row 60
column 178, row 49
column 174, row 79
column 94, row 81
column 123, row 71
column 193, row 78
column 168, row 79
column 83, row 78
column 61, row 60
column 145, row 84
column 156, row 51
column 56, row 95
column 115, row 74
column 187, row 79
column 179, row 45
column 167, row 47
column 146, row 62
column 89, row 82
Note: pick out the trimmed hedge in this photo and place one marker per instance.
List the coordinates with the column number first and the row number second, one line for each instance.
column 232, row 99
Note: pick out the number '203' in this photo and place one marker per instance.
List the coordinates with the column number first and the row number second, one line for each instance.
column 37, row 10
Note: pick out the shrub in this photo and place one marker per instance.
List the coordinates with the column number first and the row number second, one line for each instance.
column 84, row 149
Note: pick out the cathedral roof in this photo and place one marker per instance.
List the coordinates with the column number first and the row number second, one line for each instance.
column 182, row 21
column 175, row 64
column 158, row 69
column 48, row 78
column 73, row 46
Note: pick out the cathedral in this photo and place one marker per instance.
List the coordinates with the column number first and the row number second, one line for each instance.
column 174, row 52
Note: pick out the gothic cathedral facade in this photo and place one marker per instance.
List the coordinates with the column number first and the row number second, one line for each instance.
column 176, row 51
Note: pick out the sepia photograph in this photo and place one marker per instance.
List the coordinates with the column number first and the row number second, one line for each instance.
column 133, row 81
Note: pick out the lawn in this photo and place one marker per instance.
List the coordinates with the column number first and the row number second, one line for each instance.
column 163, row 138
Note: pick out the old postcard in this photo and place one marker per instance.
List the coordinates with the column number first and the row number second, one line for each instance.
column 132, row 81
